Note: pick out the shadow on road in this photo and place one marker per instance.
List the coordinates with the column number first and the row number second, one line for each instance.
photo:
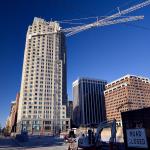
column 42, row 141
column 33, row 142
column 7, row 142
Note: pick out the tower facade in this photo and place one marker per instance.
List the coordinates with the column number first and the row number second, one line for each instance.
column 43, row 94
column 88, row 101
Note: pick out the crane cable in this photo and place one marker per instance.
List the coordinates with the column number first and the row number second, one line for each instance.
column 70, row 21
column 137, row 26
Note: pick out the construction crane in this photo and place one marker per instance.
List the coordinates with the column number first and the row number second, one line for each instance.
column 110, row 20
column 117, row 18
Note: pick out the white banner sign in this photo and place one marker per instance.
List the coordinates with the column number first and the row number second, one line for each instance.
column 136, row 138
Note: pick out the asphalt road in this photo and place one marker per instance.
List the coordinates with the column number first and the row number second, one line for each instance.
column 34, row 143
column 7, row 143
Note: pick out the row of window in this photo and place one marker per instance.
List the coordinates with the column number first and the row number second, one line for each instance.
column 39, row 98
column 40, row 103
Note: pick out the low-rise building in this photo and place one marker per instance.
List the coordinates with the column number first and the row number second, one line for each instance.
column 11, row 122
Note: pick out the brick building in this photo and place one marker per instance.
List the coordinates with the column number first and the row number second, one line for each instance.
column 127, row 93
column 11, row 122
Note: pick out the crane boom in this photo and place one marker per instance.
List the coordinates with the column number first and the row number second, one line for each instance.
column 126, row 11
column 105, row 21
column 110, row 20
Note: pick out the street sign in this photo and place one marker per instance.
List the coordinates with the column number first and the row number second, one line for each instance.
column 136, row 138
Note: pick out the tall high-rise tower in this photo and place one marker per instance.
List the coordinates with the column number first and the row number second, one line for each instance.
column 43, row 95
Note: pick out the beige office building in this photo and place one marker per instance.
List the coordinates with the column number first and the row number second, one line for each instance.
column 43, row 95
column 127, row 93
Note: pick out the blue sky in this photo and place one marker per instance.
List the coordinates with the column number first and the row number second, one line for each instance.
column 104, row 53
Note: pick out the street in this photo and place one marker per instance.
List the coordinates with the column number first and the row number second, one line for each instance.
column 34, row 143
column 7, row 143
